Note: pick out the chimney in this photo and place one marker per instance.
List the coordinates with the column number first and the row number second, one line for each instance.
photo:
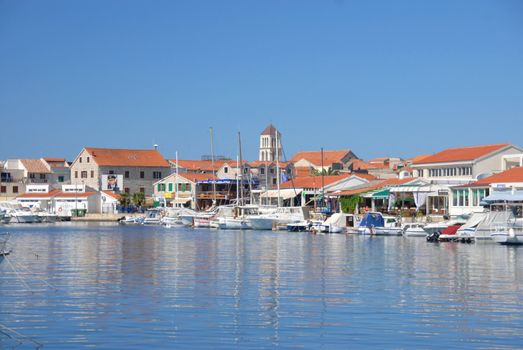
column 155, row 146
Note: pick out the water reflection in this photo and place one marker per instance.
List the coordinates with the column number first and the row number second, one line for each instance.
column 136, row 287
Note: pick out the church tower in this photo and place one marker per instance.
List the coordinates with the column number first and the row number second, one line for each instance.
column 268, row 147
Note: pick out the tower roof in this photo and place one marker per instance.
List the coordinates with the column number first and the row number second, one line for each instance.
column 270, row 130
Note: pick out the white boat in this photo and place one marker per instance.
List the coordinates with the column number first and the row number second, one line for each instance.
column 238, row 217
column 280, row 219
column 507, row 208
column 339, row 223
column 45, row 216
column 153, row 217
column 25, row 216
column 131, row 220
column 467, row 232
column 391, row 227
column 414, row 229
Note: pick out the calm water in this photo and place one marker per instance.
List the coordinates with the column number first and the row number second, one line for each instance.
column 153, row 287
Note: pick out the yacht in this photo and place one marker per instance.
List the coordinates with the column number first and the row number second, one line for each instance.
column 374, row 223
column 25, row 216
column 280, row 218
column 152, row 217
column 507, row 208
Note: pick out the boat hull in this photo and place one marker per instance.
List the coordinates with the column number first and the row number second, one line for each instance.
column 507, row 238
column 233, row 224
column 27, row 219
column 261, row 223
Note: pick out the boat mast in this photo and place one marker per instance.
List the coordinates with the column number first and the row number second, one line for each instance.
column 278, row 167
column 237, row 181
column 213, row 172
column 322, row 181
column 176, row 180
column 241, row 167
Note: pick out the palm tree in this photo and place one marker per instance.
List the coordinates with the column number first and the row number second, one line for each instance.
column 325, row 172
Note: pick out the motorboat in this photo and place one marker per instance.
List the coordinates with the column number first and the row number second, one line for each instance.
column 131, row 220
column 449, row 234
column 279, row 219
column 4, row 217
column 236, row 218
column 467, row 232
column 45, row 216
column 339, row 223
column 25, row 216
column 441, row 225
column 369, row 223
column 152, row 217
column 413, row 229
column 507, row 207
column 391, row 227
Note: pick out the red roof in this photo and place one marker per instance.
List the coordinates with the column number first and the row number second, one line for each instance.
column 197, row 177
column 57, row 160
column 202, row 165
column 257, row 163
column 270, row 130
column 127, row 157
column 35, row 166
column 329, row 157
column 359, row 164
column 374, row 186
column 112, row 194
column 57, row 194
column 511, row 175
column 313, row 181
column 461, row 154
column 418, row 158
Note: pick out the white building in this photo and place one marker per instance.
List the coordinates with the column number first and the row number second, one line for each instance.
column 270, row 144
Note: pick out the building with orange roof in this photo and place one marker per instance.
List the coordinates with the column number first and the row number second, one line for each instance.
column 121, row 170
column 16, row 174
column 466, row 199
column 65, row 200
column 306, row 163
column 195, row 190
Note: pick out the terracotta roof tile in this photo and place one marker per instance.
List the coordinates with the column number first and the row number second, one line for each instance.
column 373, row 186
column 57, row 194
column 269, row 130
column 507, row 176
column 112, row 194
column 197, row 177
column 257, row 163
column 313, row 181
column 35, row 166
column 460, row 154
column 202, row 165
column 329, row 157
column 127, row 157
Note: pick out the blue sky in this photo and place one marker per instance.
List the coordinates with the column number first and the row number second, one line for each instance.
column 383, row 78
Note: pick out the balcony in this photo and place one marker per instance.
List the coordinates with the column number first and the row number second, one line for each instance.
column 219, row 195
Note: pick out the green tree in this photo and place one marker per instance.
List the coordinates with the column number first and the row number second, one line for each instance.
column 325, row 172
column 138, row 199
column 348, row 204
column 125, row 201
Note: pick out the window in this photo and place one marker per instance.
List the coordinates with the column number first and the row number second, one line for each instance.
column 111, row 172
column 42, row 176
column 272, row 171
column 142, row 175
column 478, row 195
column 76, row 174
column 142, row 189
column 126, row 190
column 3, row 189
column 92, row 173
column 460, row 198
column 245, row 170
column 225, row 170
column 157, row 174
column 170, row 187
column 80, row 159
column 262, row 171
column 126, row 174
column 15, row 189
column 61, row 179
column 84, row 174
column 32, row 176
column 88, row 159
column 274, row 181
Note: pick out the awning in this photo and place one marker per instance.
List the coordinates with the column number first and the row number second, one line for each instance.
column 285, row 194
column 423, row 188
column 383, row 194
column 504, row 196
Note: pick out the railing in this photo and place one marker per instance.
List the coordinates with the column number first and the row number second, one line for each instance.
column 219, row 195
